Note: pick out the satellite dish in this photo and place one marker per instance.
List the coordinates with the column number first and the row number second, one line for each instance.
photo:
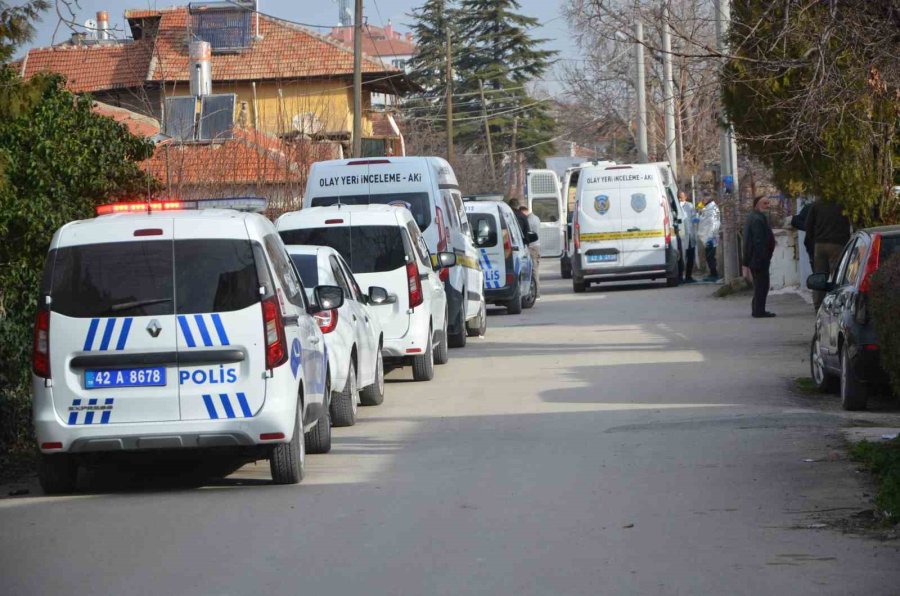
column 90, row 26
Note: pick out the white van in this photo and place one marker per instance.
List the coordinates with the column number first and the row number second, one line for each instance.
column 508, row 270
column 544, row 199
column 622, row 226
column 668, row 179
column 384, row 248
column 427, row 187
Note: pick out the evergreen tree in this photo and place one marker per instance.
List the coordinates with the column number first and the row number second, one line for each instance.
column 497, row 52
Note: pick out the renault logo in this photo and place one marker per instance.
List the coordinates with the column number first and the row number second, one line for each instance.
column 154, row 328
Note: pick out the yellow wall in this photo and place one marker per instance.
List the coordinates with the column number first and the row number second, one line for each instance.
column 330, row 101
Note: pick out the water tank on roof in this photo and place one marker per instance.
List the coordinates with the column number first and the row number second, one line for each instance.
column 201, row 68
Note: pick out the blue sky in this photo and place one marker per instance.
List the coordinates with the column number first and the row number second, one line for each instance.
column 325, row 13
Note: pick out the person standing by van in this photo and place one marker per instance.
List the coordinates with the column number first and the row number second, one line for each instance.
column 708, row 233
column 759, row 244
column 686, row 267
column 521, row 218
column 534, row 248
column 827, row 231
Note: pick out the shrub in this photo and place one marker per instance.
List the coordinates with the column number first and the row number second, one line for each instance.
column 884, row 300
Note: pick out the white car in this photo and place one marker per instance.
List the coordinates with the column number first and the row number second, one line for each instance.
column 385, row 248
column 352, row 332
column 171, row 326
column 427, row 186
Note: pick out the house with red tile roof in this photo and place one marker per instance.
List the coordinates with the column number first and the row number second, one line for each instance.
column 288, row 80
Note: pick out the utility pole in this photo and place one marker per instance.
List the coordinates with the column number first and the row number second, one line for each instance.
column 641, row 92
column 728, row 161
column 357, row 78
column 514, row 162
column 669, row 91
column 449, row 71
column 487, row 132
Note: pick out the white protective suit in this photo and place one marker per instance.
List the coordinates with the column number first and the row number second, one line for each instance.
column 688, row 223
column 710, row 224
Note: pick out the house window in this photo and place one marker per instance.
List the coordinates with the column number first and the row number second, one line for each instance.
column 373, row 148
column 226, row 30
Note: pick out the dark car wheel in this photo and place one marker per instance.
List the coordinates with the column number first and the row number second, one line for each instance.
column 823, row 380
column 853, row 391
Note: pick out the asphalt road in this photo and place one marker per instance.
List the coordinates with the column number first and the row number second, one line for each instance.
column 630, row 440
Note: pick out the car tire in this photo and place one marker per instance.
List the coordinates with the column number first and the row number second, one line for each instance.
column 344, row 404
column 514, row 306
column 287, row 462
column 442, row 352
column 854, row 394
column 373, row 395
column 565, row 268
column 480, row 326
column 671, row 282
column 318, row 439
column 578, row 285
column 822, row 379
column 457, row 340
column 529, row 300
column 423, row 365
column 57, row 473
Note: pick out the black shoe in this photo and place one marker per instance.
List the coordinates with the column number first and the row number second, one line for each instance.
column 765, row 315
column 690, row 280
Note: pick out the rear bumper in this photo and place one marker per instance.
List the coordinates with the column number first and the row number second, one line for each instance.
column 669, row 269
column 416, row 336
column 276, row 416
column 867, row 367
column 501, row 295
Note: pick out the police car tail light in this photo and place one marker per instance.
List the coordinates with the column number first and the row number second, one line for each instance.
column 327, row 320
column 443, row 240
column 666, row 227
column 41, row 354
column 871, row 264
column 273, row 327
column 507, row 246
column 416, row 297
column 576, row 230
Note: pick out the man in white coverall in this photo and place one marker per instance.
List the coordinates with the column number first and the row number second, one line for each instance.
column 534, row 249
column 708, row 234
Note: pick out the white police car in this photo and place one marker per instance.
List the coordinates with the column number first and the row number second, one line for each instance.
column 352, row 332
column 385, row 248
column 177, row 325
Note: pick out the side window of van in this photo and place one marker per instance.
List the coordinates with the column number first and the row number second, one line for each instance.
column 450, row 209
column 284, row 271
column 456, row 197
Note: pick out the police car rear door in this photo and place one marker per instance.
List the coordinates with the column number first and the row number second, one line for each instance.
column 221, row 344
column 112, row 323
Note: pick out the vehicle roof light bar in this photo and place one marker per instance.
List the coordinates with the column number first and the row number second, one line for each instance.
column 249, row 204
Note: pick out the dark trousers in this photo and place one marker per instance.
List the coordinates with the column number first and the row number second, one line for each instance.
column 711, row 260
column 760, row 290
column 690, row 255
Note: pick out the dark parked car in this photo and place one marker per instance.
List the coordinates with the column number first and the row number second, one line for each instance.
column 844, row 346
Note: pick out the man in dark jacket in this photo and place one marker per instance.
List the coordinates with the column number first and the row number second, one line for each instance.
column 827, row 230
column 759, row 244
column 521, row 218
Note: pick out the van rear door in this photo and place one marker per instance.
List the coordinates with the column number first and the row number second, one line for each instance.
column 545, row 201
column 600, row 223
column 644, row 222
column 221, row 348
column 112, row 323
column 488, row 230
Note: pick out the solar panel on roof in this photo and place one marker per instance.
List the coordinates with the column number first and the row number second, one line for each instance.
column 225, row 30
column 217, row 116
column 180, row 117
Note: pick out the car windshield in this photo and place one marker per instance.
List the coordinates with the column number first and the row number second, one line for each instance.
column 367, row 249
column 153, row 278
column 416, row 202
column 308, row 267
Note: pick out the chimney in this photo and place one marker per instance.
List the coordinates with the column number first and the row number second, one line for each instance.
column 389, row 30
column 201, row 68
column 102, row 25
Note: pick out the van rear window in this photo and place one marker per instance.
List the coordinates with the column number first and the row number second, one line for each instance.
column 367, row 249
column 890, row 245
column 416, row 202
column 147, row 278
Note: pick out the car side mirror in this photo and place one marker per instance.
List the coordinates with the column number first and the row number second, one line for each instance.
column 327, row 298
column 819, row 282
column 445, row 260
column 379, row 295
